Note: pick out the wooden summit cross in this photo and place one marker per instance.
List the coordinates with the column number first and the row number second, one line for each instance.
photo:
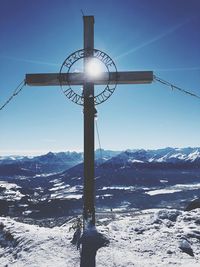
column 88, row 100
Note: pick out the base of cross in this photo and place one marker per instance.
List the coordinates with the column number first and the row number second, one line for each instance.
column 90, row 241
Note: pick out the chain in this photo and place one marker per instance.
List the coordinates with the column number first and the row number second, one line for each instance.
column 175, row 87
column 15, row 93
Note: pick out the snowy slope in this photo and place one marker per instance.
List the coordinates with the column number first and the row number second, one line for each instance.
column 165, row 155
column 34, row 246
column 152, row 240
column 140, row 239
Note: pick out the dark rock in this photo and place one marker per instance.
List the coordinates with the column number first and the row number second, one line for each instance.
column 169, row 251
column 194, row 204
column 186, row 247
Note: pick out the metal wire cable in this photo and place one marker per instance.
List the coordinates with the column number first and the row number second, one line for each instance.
column 175, row 87
column 15, row 93
column 99, row 142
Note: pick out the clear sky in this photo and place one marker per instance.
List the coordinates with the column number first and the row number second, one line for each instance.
column 158, row 35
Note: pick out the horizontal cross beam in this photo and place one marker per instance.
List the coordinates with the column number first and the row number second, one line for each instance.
column 128, row 77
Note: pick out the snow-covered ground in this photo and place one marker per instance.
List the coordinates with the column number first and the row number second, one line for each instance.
column 10, row 191
column 173, row 189
column 140, row 239
column 152, row 239
column 30, row 245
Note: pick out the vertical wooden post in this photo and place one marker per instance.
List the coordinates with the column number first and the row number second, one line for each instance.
column 91, row 240
column 89, row 112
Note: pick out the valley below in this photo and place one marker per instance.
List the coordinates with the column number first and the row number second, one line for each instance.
column 147, row 204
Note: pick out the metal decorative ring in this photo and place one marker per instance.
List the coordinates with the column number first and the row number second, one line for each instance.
column 110, row 76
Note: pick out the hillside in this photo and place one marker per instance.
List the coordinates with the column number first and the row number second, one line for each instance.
column 149, row 238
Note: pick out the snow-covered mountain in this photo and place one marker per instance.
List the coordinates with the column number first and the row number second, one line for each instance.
column 48, row 163
column 10, row 159
column 132, row 189
column 57, row 162
column 142, row 239
column 165, row 155
column 131, row 179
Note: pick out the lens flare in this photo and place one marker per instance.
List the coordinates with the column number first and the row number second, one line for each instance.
column 93, row 68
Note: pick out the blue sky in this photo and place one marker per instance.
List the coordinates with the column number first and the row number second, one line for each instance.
column 158, row 35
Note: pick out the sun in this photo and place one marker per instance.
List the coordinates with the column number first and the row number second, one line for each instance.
column 93, row 68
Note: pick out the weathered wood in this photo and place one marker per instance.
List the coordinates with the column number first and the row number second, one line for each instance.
column 126, row 77
column 88, row 252
column 89, row 113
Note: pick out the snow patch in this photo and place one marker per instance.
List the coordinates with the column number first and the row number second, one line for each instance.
column 10, row 191
column 118, row 188
column 162, row 191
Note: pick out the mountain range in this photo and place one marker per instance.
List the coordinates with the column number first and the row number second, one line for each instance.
column 51, row 185
column 48, row 163
column 165, row 155
column 58, row 162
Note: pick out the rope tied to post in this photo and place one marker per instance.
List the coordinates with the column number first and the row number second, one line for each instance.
column 17, row 90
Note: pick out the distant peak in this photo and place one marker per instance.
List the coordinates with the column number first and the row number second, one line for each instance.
column 50, row 154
